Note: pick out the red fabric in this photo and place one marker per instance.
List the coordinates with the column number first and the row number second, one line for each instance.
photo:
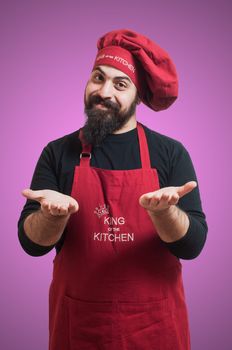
column 115, row 285
column 155, row 74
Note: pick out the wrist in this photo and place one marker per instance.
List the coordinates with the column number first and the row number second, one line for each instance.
column 53, row 219
column 163, row 213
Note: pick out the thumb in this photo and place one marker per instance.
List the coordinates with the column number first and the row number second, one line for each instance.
column 30, row 194
column 186, row 188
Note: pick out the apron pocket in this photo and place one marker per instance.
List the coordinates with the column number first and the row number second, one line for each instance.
column 90, row 324
column 146, row 326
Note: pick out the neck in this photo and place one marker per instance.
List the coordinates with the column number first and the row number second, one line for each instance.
column 130, row 125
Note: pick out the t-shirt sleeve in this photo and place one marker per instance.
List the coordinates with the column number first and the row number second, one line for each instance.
column 182, row 171
column 44, row 177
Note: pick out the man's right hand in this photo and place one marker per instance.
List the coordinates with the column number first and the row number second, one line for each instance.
column 53, row 203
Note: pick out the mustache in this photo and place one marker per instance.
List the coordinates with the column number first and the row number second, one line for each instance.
column 96, row 99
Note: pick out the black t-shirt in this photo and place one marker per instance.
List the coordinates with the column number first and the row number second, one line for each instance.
column 55, row 171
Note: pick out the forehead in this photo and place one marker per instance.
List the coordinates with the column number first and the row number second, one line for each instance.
column 112, row 72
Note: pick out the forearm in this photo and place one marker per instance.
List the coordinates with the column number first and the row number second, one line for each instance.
column 171, row 223
column 44, row 230
column 192, row 243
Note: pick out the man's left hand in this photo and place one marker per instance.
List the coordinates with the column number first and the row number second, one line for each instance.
column 162, row 199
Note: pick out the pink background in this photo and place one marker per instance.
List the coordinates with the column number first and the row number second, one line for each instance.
column 47, row 51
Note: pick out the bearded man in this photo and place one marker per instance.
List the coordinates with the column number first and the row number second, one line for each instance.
column 121, row 205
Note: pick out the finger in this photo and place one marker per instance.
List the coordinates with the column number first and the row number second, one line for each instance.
column 45, row 206
column 155, row 201
column 63, row 210
column 173, row 199
column 73, row 207
column 144, row 201
column 33, row 195
column 186, row 188
column 165, row 197
column 54, row 210
column 163, row 201
column 149, row 200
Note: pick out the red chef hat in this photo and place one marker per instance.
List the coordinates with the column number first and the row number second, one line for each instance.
column 148, row 65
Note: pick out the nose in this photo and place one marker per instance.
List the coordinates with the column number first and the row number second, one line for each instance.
column 106, row 90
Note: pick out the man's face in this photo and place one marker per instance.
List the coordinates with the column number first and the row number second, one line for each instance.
column 110, row 101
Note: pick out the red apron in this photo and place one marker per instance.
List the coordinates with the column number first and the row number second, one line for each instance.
column 115, row 285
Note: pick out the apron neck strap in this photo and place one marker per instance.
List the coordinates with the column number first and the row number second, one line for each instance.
column 85, row 155
column 144, row 150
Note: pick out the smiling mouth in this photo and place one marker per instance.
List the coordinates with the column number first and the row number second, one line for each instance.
column 101, row 106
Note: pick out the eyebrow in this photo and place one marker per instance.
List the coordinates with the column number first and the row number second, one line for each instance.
column 119, row 77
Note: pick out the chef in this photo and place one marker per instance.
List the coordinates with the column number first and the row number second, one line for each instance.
column 121, row 205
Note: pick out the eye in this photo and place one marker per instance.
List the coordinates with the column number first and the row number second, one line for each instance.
column 121, row 85
column 98, row 77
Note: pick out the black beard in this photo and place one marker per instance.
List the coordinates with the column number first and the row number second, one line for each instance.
column 102, row 122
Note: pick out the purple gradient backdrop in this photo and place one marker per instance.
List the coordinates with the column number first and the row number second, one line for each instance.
column 47, row 51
